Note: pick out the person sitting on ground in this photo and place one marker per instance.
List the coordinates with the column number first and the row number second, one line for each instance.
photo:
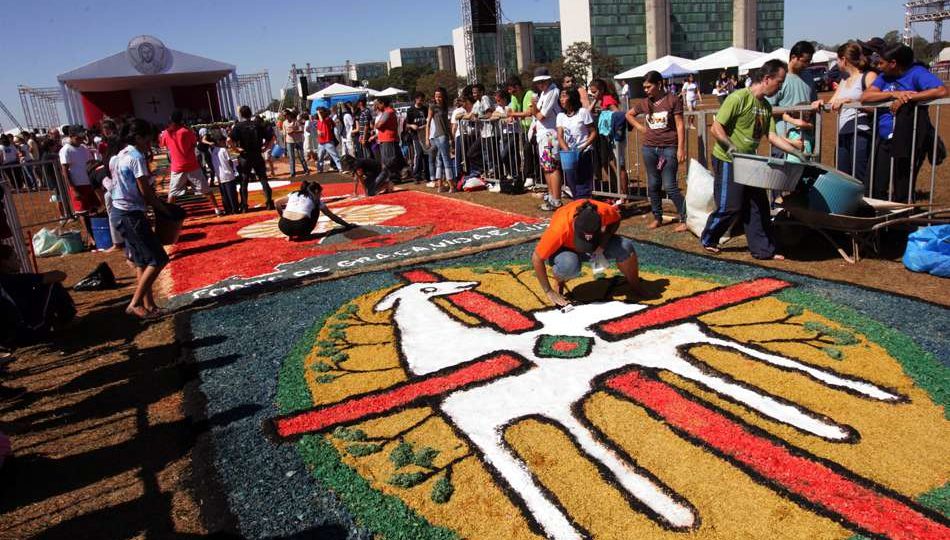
column 582, row 230
column 31, row 304
column 300, row 211
column 375, row 178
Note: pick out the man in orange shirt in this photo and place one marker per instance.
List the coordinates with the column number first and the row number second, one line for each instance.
column 580, row 231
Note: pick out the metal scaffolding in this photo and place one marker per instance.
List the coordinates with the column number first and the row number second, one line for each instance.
column 254, row 91
column 40, row 106
column 935, row 11
column 468, row 37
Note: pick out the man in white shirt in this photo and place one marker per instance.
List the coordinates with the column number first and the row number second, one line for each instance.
column 544, row 110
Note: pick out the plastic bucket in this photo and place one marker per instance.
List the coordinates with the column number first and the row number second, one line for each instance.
column 835, row 193
column 766, row 172
column 101, row 233
column 569, row 159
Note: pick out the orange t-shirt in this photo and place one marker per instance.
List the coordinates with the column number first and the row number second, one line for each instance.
column 560, row 233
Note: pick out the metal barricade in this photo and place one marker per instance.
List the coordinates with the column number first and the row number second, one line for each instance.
column 499, row 150
column 36, row 195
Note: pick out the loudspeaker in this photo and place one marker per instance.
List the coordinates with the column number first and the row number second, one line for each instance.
column 302, row 88
column 484, row 16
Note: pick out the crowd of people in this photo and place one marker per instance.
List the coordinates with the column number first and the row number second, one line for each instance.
column 561, row 133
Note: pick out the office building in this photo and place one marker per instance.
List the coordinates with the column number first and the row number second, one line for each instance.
column 525, row 43
column 637, row 31
column 439, row 58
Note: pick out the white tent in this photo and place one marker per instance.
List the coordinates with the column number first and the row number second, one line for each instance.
column 822, row 57
column 726, row 58
column 676, row 70
column 391, row 91
column 660, row 64
column 780, row 54
column 944, row 55
column 336, row 89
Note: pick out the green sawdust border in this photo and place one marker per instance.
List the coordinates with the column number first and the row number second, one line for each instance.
column 392, row 518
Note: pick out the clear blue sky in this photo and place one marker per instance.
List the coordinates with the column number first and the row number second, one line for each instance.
column 47, row 37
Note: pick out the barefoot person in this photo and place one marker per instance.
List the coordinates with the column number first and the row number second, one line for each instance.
column 582, row 230
column 300, row 211
column 743, row 119
column 132, row 190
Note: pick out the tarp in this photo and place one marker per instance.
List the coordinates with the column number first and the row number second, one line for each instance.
column 391, row 91
column 333, row 100
column 659, row 64
column 780, row 54
column 676, row 70
column 336, row 89
column 726, row 58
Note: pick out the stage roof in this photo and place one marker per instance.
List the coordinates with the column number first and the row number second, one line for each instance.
column 116, row 72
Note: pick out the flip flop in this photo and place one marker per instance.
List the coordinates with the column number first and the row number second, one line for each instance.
column 712, row 249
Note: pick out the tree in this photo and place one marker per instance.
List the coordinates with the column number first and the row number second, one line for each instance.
column 405, row 77
column 580, row 60
column 447, row 79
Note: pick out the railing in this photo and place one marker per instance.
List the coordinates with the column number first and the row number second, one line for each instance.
column 35, row 195
column 500, row 148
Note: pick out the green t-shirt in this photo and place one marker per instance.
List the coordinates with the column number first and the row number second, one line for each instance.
column 515, row 103
column 746, row 120
column 525, row 102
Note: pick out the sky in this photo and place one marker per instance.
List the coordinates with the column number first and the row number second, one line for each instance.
column 48, row 37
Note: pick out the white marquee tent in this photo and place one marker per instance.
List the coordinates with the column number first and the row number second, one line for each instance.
column 391, row 91
column 336, row 89
column 821, row 57
column 660, row 64
column 726, row 58
column 780, row 54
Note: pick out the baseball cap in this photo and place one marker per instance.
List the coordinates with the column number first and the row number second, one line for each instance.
column 541, row 74
column 586, row 228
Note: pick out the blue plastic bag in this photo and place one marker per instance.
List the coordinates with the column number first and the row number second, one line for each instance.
column 277, row 151
column 928, row 250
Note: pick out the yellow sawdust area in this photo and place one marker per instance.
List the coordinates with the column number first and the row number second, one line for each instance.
column 899, row 446
column 495, row 516
column 558, row 464
column 730, row 504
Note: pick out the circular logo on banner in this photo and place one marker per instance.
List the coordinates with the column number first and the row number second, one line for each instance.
column 148, row 55
column 708, row 411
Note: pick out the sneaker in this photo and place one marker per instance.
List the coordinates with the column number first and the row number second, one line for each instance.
column 550, row 205
column 495, row 188
column 528, row 182
column 430, row 184
column 568, row 191
column 218, row 212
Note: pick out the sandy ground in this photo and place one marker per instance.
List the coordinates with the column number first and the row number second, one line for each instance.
column 105, row 422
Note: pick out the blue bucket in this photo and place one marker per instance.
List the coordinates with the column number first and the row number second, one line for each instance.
column 569, row 159
column 101, row 233
column 835, row 193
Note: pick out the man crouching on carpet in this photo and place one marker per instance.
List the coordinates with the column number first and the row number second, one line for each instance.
column 300, row 211
column 582, row 230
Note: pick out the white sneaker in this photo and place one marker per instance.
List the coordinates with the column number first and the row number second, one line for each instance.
column 430, row 184
column 495, row 188
column 528, row 182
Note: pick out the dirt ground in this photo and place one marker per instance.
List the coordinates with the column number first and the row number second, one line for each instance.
column 107, row 428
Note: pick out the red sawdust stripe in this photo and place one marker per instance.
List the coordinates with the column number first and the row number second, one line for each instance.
column 486, row 308
column 813, row 481
column 685, row 308
column 401, row 395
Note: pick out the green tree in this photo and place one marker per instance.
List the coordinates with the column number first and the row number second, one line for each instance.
column 405, row 77
column 447, row 79
column 581, row 59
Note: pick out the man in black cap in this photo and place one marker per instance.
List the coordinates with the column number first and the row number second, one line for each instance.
column 582, row 230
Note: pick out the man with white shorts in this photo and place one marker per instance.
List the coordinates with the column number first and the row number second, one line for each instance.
column 181, row 143
column 544, row 110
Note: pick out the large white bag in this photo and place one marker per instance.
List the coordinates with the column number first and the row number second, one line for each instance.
column 46, row 243
column 700, row 201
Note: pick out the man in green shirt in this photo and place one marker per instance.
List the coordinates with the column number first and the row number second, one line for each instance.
column 520, row 101
column 745, row 116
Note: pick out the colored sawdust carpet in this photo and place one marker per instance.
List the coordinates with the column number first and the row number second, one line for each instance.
column 450, row 400
column 214, row 258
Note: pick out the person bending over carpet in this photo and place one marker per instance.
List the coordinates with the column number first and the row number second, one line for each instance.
column 582, row 230
column 371, row 174
column 300, row 211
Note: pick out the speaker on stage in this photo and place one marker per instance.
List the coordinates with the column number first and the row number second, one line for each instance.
column 302, row 87
column 484, row 16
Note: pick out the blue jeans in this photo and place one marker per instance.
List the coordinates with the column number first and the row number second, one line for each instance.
column 666, row 176
column 580, row 179
column 328, row 148
column 420, row 161
column 229, row 197
column 294, row 151
column 440, row 162
column 856, row 149
column 566, row 263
